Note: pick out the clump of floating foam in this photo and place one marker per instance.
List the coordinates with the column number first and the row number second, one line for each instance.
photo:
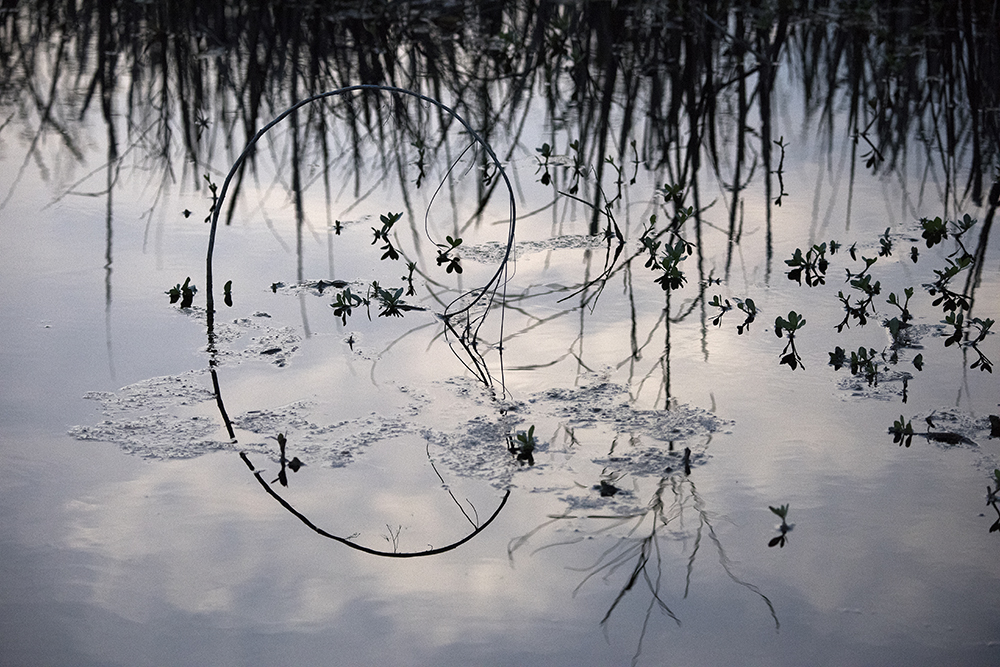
column 157, row 418
column 606, row 435
column 607, row 404
column 583, row 434
column 477, row 449
column 888, row 385
column 492, row 252
column 250, row 338
column 334, row 445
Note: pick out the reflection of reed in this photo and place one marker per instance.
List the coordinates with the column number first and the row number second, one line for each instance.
column 638, row 551
column 683, row 80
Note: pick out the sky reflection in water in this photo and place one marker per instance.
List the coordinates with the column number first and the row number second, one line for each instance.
column 179, row 557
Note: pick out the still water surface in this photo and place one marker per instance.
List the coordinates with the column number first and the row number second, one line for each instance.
column 132, row 530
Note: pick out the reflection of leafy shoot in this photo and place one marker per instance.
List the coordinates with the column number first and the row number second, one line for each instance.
column 779, row 172
column 904, row 307
column 957, row 320
column 812, row 266
column 934, row 231
column 861, row 282
column 789, row 355
column 984, row 329
column 420, row 164
column 522, row 445
column 445, row 258
column 902, row 432
column 782, row 512
column 992, row 494
column 750, row 309
column 674, row 254
column 649, row 244
column 388, row 220
column 723, row 308
column 345, row 302
column 747, row 306
column 873, row 157
column 949, row 300
column 292, row 465
column 410, row 268
column 671, row 192
column 227, row 290
column 214, row 189
column 546, row 152
column 885, row 243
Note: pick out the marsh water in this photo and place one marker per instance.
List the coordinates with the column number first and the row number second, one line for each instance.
column 473, row 355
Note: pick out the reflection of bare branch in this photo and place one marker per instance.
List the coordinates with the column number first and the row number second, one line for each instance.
column 347, row 541
column 475, row 522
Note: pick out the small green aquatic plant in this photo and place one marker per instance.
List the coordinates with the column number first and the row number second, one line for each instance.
column 389, row 300
column 285, row 464
column 673, row 254
column 522, row 445
column 789, row 326
column 227, row 290
column 183, row 293
column 746, row 305
column 902, row 431
column 860, row 282
column 863, row 363
column 724, row 307
column 810, row 267
column 344, row 304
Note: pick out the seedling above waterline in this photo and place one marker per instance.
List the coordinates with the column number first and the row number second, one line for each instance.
column 522, row 446
column 183, row 293
column 782, row 512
